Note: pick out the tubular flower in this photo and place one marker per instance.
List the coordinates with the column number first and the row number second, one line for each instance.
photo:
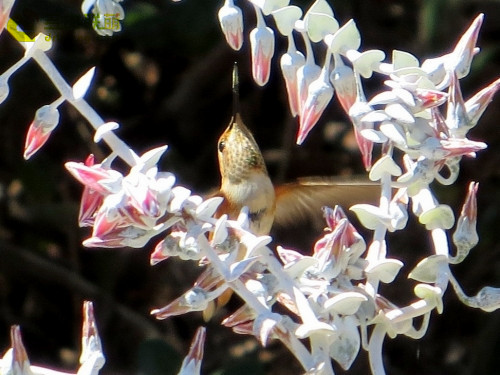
column 231, row 23
column 357, row 111
column 307, row 73
column 125, row 210
column 464, row 115
column 192, row 362
column 465, row 236
column 262, row 43
column 344, row 82
column 340, row 246
column 91, row 200
column 290, row 63
column 46, row 120
column 320, row 92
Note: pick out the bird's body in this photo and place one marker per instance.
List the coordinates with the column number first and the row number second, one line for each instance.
column 244, row 178
column 245, row 182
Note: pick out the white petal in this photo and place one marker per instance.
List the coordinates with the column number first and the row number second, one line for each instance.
column 319, row 25
column 346, row 303
column 438, row 217
column 104, row 129
column 430, row 293
column 394, row 132
column 385, row 270
column 239, row 268
column 371, row 216
column 427, row 269
column 307, row 329
column 81, row 86
column 346, row 38
column 383, row 166
column 207, row 208
column 320, row 6
column 384, row 97
column 365, row 62
column 374, row 135
column 400, row 113
column 150, row 158
column 345, row 348
column 220, row 230
column 405, row 96
column 180, row 194
column 402, row 59
column 286, row 17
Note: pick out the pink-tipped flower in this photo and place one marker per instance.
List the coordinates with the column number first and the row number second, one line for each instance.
column 320, row 93
column 475, row 106
column 441, row 150
column 89, row 204
column 460, row 59
column 95, row 176
column 121, row 236
column 91, row 199
column 465, row 236
column 357, row 111
column 192, row 362
column 365, row 147
column 20, row 362
column 5, row 8
column 428, row 99
column 441, row 69
column 46, row 119
column 340, row 246
column 307, row 73
column 344, row 82
column 290, row 63
column 231, row 23
column 241, row 316
column 262, row 43
column 92, row 355
column 195, row 299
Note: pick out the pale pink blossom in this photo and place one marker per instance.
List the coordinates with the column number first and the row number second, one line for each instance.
column 262, row 48
column 344, row 82
column 320, row 92
column 46, row 120
column 290, row 63
column 192, row 362
column 231, row 23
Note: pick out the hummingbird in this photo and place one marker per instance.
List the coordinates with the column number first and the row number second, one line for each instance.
column 246, row 182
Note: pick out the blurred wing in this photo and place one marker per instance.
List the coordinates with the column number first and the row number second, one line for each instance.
column 302, row 200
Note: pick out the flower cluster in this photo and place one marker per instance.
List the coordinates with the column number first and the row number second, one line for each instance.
column 330, row 297
column 310, row 87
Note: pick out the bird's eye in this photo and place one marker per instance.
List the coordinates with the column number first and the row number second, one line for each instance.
column 222, row 145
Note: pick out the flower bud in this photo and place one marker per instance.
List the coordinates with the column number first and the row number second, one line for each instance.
column 46, row 119
column 262, row 42
column 231, row 23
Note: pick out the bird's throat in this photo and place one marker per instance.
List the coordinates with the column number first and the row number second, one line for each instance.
column 255, row 192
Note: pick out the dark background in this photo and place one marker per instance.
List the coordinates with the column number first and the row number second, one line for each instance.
column 166, row 79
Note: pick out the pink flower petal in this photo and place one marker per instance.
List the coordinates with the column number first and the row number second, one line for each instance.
column 35, row 139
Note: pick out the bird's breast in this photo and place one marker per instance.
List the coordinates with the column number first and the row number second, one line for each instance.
column 257, row 193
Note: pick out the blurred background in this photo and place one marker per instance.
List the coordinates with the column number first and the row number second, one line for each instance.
column 166, row 78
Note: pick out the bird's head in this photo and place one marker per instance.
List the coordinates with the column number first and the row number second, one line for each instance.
column 238, row 153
